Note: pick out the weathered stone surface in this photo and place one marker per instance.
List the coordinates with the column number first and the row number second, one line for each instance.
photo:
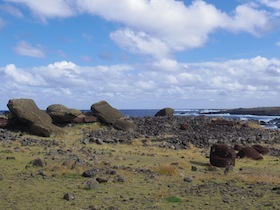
column 123, row 125
column 165, row 112
column 105, row 112
column 90, row 173
column 222, row 155
column 27, row 112
column 261, row 149
column 38, row 162
column 249, row 152
column 69, row 196
column 84, row 119
column 61, row 114
column 3, row 122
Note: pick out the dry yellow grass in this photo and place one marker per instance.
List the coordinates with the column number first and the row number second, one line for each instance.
column 152, row 175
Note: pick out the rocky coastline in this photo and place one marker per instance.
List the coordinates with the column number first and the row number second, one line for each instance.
column 103, row 160
column 266, row 111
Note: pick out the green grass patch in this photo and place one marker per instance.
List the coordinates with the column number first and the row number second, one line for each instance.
column 173, row 199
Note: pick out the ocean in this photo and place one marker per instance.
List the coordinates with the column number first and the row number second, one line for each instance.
column 192, row 112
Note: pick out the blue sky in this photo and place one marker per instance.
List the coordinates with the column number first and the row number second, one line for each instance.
column 141, row 53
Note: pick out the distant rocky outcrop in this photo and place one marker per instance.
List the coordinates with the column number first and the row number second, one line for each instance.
column 105, row 112
column 269, row 111
column 27, row 112
column 61, row 114
column 165, row 112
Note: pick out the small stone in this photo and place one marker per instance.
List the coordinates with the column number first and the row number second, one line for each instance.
column 90, row 173
column 42, row 173
column 188, row 179
column 119, row 179
column 69, row 196
column 92, row 184
column 101, row 180
column 194, row 168
column 37, row 163
column 10, row 158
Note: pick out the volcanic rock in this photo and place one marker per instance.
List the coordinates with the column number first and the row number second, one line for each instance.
column 105, row 112
column 261, row 149
column 249, row 152
column 27, row 112
column 61, row 114
column 222, row 155
column 123, row 125
column 165, row 112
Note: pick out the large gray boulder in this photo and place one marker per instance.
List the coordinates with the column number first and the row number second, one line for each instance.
column 61, row 114
column 27, row 112
column 105, row 112
column 165, row 112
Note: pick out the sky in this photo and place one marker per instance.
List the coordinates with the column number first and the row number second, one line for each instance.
column 141, row 54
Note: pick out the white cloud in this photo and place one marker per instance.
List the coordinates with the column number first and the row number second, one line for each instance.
column 23, row 77
column 24, row 48
column 232, row 83
column 140, row 43
column 172, row 23
column 275, row 4
column 250, row 20
column 48, row 9
column 158, row 27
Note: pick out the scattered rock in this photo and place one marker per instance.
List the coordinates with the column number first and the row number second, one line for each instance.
column 69, row 196
column 91, row 184
column 90, row 173
column 188, row 179
column 37, row 162
column 119, row 179
column 101, row 180
column 194, row 168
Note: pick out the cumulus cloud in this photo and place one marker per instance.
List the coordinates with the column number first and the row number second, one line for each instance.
column 249, row 19
column 140, row 43
column 172, row 25
column 253, row 82
column 11, row 72
column 159, row 27
column 24, row 48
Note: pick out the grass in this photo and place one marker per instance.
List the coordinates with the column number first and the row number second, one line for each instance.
column 154, row 177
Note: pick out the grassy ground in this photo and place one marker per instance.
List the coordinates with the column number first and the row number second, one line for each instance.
column 153, row 177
